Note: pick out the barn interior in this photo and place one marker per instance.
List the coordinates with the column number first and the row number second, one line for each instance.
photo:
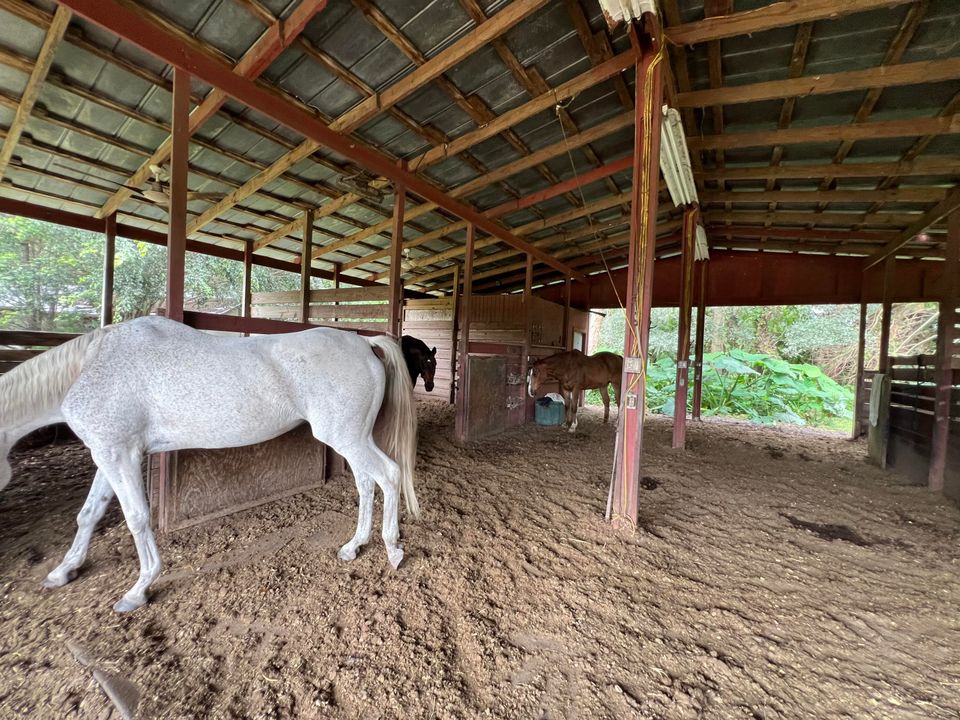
column 487, row 173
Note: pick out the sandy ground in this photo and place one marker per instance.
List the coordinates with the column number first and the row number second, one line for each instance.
column 773, row 575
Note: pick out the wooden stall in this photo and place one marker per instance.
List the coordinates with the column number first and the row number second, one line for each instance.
column 432, row 320
column 912, row 398
column 361, row 309
column 503, row 335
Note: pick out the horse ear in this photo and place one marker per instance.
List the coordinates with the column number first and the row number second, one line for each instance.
column 433, row 352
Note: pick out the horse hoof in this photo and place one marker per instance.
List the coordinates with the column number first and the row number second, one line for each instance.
column 395, row 556
column 58, row 579
column 125, row 604
column 347, row 553
column 572, row 430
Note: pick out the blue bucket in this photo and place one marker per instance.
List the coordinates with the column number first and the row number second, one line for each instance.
column 549, row 412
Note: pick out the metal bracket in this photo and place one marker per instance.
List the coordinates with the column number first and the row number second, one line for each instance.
column 631, row 401
column 633, row 365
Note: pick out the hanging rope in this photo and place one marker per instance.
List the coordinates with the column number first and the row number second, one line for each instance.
column 573, row 166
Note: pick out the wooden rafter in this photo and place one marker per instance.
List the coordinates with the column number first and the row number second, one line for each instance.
column 775, row 15
column 61, row 19
column 927, row 71
column 950, row 204
column 372, row 106
column 936, row 126
column 924, row 166
column 899, row 195
column 277, row 37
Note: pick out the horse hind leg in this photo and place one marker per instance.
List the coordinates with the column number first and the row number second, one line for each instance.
column 364, row 518
column 574, row 401
column 605, row 396
column 122, row 470
column 93, row 510
column 371, row 462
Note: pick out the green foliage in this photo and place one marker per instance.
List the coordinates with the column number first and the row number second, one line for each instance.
column 758, row 387
column 51, row 278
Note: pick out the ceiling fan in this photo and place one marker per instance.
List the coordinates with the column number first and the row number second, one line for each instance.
column 158, row 189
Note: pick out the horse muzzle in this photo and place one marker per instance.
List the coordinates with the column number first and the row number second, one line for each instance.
column 428, row 386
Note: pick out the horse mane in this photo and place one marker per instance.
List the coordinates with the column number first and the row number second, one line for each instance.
column 411, row 343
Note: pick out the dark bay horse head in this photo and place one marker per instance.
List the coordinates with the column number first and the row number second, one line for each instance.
column 421, row 360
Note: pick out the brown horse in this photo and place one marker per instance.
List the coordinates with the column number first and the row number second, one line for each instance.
column 575, row 372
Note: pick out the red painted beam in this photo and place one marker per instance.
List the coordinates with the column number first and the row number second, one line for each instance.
column 177, row 210
column 690, row 217
column 754, row 278
column 566, row 186
column 157, row 40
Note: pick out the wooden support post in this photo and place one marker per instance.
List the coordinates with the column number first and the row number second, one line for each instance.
column 623, row 500
column 858, row 391
column 946, row 337
column 246, row 292
column 683, row 329
column 454, row 331
column 702, row 270
column 246, row 302
column 567, row 335
column 336, row 283
column 395, row 319
column 527, row 329
column 109, row 262
column 889, row 268
column 463, row 379
column 306, row 262
column 177, row 227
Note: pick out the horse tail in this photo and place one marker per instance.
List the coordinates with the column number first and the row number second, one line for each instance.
column 31, row 393
column 398, row 417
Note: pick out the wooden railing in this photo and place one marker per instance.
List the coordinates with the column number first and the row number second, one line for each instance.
column 344, row 308
column 19, row 345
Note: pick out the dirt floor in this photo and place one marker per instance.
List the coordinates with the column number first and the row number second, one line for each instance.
column 774, row 574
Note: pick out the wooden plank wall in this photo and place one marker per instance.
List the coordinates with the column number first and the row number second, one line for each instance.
column 364, row 308
column 911, row 420
column 863, row 411
column 19, row 345
column 432, row 321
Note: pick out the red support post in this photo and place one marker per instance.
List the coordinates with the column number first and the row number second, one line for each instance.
column 623, row 501
column 946, row 337
column 889, row 268
column 109, row 262
column 858, row 391
column 463, row 376
column 683, row 330
column 395, row 313
column 177, row 227
column 702, row 271
column 567, row 335
column 454, row 331
column 246, row 299
column 306, row 263
column 527, row 328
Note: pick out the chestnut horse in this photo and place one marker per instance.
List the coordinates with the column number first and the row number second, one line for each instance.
column 575, row 372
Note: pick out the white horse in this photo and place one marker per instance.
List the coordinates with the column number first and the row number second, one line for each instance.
column 151, row 385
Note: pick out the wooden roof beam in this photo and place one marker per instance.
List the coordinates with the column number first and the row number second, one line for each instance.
column 896, row 195
column 372, row 106
column 154, row 38
column 274, row 40
column 595, row 133
column 935, row 126
column 950, row 204
column 775, row 15
column 947, row 166
column 928, row 71
column 61, row 19
column 800, row 217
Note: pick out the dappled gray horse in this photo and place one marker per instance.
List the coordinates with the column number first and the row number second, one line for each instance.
column 153, row 385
